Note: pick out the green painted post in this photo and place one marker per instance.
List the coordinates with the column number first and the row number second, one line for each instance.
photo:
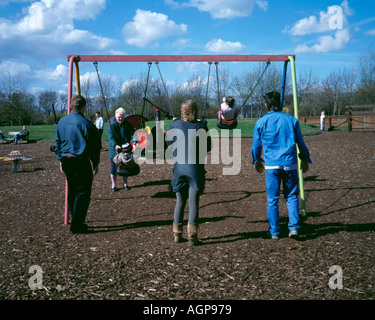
column 295, row 101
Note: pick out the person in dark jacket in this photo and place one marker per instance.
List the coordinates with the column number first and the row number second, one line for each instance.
column 22, row 135
column 77, row 147
column 191, row 143
column 120, row 132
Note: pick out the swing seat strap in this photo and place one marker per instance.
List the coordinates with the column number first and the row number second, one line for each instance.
column 227, row 122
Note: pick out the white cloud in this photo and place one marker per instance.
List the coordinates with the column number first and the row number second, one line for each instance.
column 328, row 43
column 191, row 67
column 333, row 18
column 46, row 30
column 59, row 74
column 347, row 10
column 148, row 27
column 263, row 5
column 332, row 24
column 224, row 47
column 371, row 32
column 222, row 9
column 326, row 22
column 14, row 68
column 55, row 78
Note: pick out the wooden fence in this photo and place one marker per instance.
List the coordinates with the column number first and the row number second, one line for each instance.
column 356, row 118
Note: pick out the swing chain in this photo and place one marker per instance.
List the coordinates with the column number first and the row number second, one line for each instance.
column 145, row 94
column 101, row 88
column 252, row 91
column 208, row 82
column 218, row 82
column 165, row 88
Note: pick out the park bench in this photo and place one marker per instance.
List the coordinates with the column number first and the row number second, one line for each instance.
column 21, row 139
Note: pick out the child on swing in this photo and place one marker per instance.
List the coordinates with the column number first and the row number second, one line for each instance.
column 228, row 114
column 228, row 111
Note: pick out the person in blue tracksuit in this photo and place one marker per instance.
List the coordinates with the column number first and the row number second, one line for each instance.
column 188, row 182
column 77, row 147
column 278, row 134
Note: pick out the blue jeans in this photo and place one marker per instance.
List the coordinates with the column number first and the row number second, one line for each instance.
column 290, row 191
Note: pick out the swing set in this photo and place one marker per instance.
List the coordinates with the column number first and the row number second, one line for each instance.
column 74, row 61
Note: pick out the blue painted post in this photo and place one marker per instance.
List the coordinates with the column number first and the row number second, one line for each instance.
column 283, row 85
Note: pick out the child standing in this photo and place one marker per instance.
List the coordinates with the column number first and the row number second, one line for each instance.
column 322, row 121
column 188, row 180
column 277, row 134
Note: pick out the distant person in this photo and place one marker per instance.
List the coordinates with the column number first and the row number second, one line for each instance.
column 188, row 180
column 322, row 121
column 278, row 133
column 99, row 123
column 120, row 132
column 78, row 150
column 23, row 134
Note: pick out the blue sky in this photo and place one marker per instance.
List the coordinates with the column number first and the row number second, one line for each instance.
column 37, row 36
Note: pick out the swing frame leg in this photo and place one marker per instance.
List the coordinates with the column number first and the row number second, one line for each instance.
column 295, row 101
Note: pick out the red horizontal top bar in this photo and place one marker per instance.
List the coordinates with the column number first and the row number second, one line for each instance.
column 177, row 58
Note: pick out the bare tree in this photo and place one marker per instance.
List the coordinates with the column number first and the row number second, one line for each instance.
column 14, row 98
column 307, row 87
column 251, row 86
column 333, row 88
column 47, row 100
column 63, row 102
column 366, row 63
column 132, row 92
column 349, row 80
column 87, row 90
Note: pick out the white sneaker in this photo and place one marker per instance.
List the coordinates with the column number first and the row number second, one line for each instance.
column 293, row 234
column 270, row 236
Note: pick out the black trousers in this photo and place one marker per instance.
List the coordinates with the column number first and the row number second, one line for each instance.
column 100, row 131
column 79, row 176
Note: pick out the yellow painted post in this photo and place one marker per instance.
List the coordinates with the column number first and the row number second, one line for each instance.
column 78, row 83
column 295, row 101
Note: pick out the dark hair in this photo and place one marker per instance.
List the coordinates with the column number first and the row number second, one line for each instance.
column 273, row 100
column 229, row 101
column 98, row 112
column 78, row 103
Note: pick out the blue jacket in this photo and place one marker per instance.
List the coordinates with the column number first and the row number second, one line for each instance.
column 77, row 136
column 278, row 134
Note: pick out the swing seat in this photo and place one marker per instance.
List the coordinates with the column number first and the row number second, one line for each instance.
column 126, row 167
column 226, row 124
column 124, row 171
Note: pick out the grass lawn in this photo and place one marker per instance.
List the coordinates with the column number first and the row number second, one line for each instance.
column 48, row 132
